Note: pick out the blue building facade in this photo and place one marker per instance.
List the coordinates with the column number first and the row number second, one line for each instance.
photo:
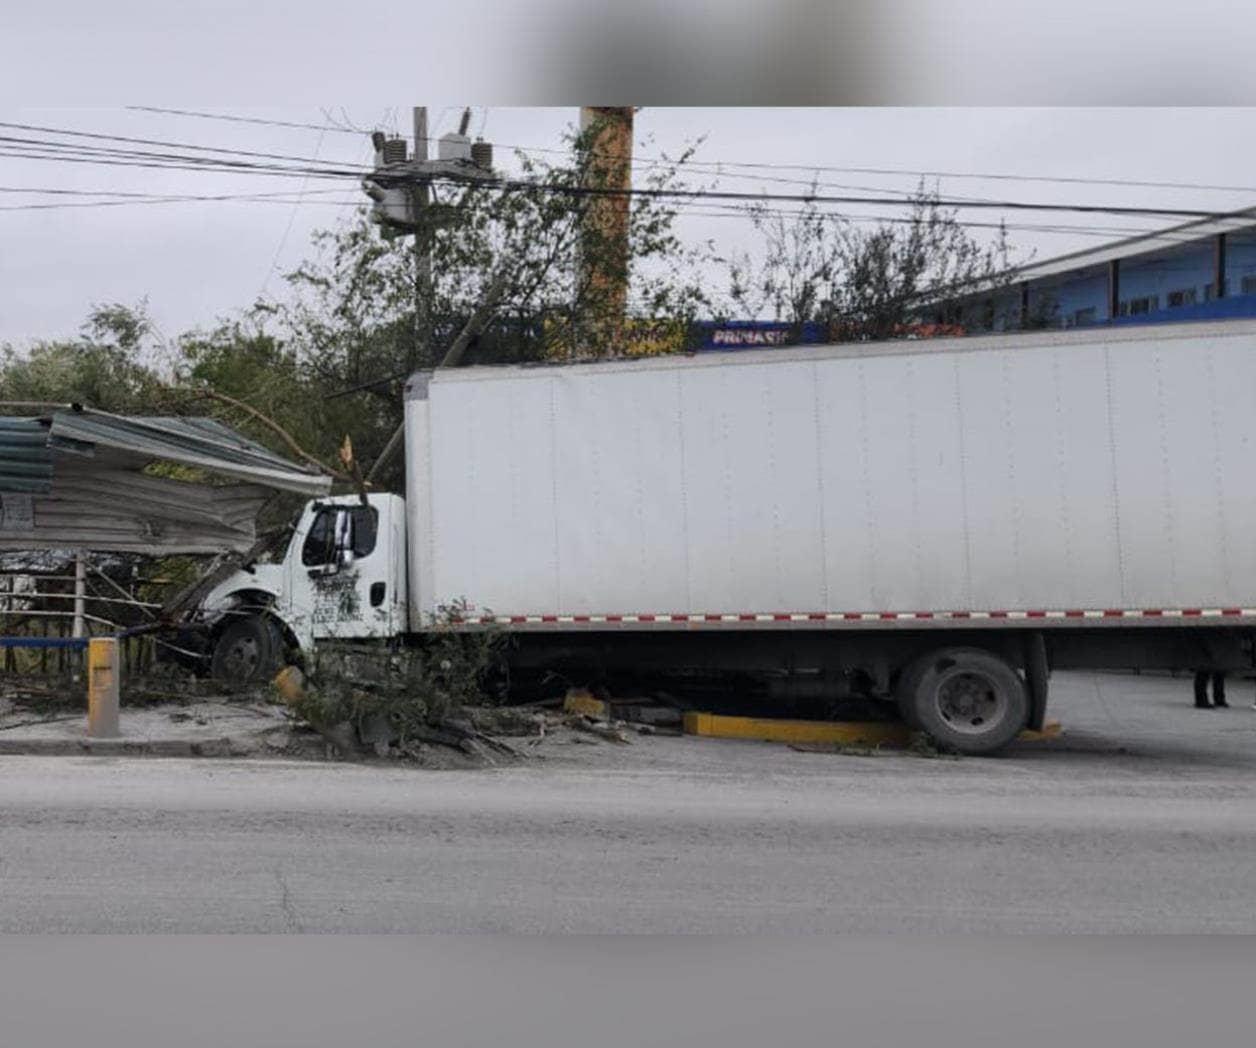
column 1199, row 270
column 1196, row 271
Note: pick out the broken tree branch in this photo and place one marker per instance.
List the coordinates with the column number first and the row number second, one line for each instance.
column 269, row 423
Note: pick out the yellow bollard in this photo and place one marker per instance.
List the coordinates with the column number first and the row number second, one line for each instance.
column 103, row 686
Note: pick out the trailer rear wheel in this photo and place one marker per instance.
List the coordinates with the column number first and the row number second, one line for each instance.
column 967, row 699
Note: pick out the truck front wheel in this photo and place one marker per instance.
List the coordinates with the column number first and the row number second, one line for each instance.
column 247, row 652
column 967, row 699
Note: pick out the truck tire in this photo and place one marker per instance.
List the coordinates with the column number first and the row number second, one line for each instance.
column 905, row 691
column 248, row 652
column 967, row 699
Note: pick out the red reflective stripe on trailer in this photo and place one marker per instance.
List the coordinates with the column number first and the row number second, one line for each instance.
column 863, row 616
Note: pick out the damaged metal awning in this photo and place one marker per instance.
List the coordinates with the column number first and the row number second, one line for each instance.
column 80, row 479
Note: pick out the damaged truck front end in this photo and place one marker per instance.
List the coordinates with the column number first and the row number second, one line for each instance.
column 341, row 576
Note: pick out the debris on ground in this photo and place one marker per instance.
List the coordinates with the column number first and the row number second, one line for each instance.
column 651, row 710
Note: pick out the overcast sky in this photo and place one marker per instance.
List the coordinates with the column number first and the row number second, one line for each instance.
column 200, row 260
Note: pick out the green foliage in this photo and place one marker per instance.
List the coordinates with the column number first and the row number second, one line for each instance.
column 412, row 689
column 866, row 282
column 103, row 369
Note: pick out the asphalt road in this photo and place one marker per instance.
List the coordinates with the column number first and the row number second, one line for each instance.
column 1142, row 818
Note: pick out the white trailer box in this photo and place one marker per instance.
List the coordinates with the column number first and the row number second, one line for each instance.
column 1051, row 477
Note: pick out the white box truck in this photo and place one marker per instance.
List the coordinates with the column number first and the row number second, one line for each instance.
column 935, row 523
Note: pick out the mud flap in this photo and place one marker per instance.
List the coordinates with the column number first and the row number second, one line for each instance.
column 1037, row 671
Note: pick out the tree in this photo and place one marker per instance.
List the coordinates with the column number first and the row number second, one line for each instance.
column 351, row 321
column 864, row 282
column 103, row 369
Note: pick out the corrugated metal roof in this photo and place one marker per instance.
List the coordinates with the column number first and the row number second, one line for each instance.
column 201, row 442
column 25, row 458
column 75, row 480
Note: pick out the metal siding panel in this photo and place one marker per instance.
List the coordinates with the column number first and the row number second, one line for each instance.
column 1003, row 458
column 708, row 413
column 938, row 512
column 1148, row 528
column 1028, row 424
column 1188, row 446
column 639, row 556
column 454, row 494
column 1089, row 550
column 1232, row 426
column 849, row 530
column 515, row 504
column 890, row 488
column 797, row 548
column 990, row 490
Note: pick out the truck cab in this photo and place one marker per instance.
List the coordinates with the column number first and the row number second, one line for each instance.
column 342, row 576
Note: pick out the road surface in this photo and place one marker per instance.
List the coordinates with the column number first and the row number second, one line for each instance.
column 1143, row 818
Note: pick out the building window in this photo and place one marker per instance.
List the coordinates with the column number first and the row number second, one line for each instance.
column 1082, row 317
column 1248, row 285
column 1182, row 297
column 1137, row 306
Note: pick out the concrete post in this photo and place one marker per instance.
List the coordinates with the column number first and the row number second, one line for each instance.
column 103, row 688
column 80, row 594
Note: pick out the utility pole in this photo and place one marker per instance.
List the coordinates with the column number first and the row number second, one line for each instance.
column 422, row 246
column 400, row 185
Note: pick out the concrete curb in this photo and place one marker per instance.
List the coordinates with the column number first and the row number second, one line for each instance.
column 124, row 747
column 849, row 733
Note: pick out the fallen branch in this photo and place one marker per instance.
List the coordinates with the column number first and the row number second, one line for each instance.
column 270, row 424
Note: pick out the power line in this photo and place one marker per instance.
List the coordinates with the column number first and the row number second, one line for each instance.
column 66, row 132
column 240, row 119
column 770, row 165
column 214, row 162
column 283, row 241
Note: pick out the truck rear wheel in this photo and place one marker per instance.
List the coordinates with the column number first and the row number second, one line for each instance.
column 247, row 652
column 967, row 699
